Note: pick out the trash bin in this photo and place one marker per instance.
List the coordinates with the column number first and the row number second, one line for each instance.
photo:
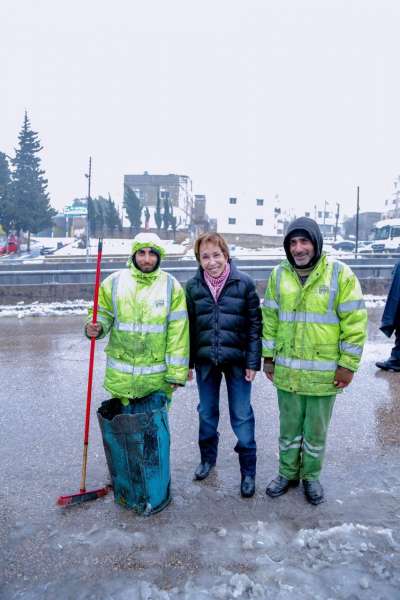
column 136, row 442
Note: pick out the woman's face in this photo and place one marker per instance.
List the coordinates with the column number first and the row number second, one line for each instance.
column 212, row 258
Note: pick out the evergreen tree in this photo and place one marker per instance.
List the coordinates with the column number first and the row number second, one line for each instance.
column 112, row 219
column 28, row 184
column 7, row 214
column 167, row 213
column 158, row 213
column 133, row 208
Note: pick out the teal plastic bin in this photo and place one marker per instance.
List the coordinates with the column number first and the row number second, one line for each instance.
column 136, row 442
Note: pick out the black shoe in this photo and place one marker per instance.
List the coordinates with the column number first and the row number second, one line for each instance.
column 314, row 491
column 203, row 470
column 248, row 486
column 280, row 486
column 391, row 364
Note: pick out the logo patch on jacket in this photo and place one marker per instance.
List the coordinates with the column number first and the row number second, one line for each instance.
column 159, row 303
column 323, row 289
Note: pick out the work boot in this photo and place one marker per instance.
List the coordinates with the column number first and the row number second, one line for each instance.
column 248, row 486
column 203, row 470
column 280, row 486
column 314, row 491
column 391, row 364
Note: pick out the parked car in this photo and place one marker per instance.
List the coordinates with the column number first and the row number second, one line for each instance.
column 345, row 245
column 9, row 246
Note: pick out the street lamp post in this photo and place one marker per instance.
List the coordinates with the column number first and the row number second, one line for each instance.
column 89, row 178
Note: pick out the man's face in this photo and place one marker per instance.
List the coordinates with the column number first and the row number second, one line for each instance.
column 146, row 259
column 302, row 250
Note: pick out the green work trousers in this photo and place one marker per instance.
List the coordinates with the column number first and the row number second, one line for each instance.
column 304, row 422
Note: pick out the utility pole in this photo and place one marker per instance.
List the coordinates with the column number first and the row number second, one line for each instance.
column 89, row 178
column 337, row 219
column 357, row 218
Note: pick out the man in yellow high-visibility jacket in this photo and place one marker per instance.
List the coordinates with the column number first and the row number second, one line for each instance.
column 314, row 329
column 143, row 309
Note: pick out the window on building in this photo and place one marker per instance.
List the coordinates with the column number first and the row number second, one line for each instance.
column 232, row 221
column 327, row 214
column 259, row 221
column 277, row 211
column 260, row 201
column 320, row 214
column 306, row 214
column 232, row 200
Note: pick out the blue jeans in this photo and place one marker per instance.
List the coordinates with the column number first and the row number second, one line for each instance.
column 240, row 411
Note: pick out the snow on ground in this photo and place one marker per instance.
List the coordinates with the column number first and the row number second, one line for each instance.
column 114, row 246
column 79, row 307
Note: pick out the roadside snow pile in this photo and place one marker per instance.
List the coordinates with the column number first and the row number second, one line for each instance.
column 374, row 301
column 114, row 246
column 42, row 309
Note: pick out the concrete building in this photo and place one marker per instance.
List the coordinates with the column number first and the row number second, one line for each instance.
column 178, row 188
column 392, row 204
column 245, row 215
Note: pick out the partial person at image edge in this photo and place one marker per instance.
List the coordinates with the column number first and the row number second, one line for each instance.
column 391, row 323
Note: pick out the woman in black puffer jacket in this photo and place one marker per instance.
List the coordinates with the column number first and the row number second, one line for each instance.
column 225, row 339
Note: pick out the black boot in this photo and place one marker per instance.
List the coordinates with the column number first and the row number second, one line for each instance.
column 203, row 470
column 280, row 486
column 391, row 364
column 248, row 486
column 314, row 491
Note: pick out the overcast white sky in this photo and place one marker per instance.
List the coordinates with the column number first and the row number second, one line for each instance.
column 292, row 97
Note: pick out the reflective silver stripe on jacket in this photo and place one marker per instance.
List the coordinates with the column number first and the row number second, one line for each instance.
column 170, row 287
column 289, row 445
column 269, row 344
column 278, row 284
column 177, row 315
column 140, row 327
column 350, row 348
column 308, row 365
column 337, row 267
column 112, row 363
column 349, row 306
column 271, row 304
column 329, row 317
column 179, row 361
column 114, row 293
column 104, row 310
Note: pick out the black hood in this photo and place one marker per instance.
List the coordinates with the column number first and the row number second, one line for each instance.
column 303, row 226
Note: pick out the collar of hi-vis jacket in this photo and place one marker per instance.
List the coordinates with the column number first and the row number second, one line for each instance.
column 144, row 278
column 317, row 270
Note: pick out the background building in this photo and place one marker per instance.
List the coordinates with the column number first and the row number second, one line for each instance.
column 178, row 188
column 392, row 204
column 243, row 215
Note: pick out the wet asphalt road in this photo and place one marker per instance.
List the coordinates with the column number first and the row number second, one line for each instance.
column 49, row 552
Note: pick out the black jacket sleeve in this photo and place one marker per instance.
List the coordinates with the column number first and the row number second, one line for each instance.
column 253, row 350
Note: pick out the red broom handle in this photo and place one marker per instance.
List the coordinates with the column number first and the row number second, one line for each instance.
column 91, row 365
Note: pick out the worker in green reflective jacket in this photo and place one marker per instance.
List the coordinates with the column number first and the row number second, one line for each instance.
column 143, row 309
column 314, row 329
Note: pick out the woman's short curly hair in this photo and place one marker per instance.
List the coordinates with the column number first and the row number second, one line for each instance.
column 213, row 238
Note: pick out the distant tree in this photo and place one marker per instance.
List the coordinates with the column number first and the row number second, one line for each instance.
column 146, row 218
column 166, row 213
column 133, row 208
column 28, row 185
column 158, row 214
column 100, row 209
column 111, row 216
column 7, row 212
